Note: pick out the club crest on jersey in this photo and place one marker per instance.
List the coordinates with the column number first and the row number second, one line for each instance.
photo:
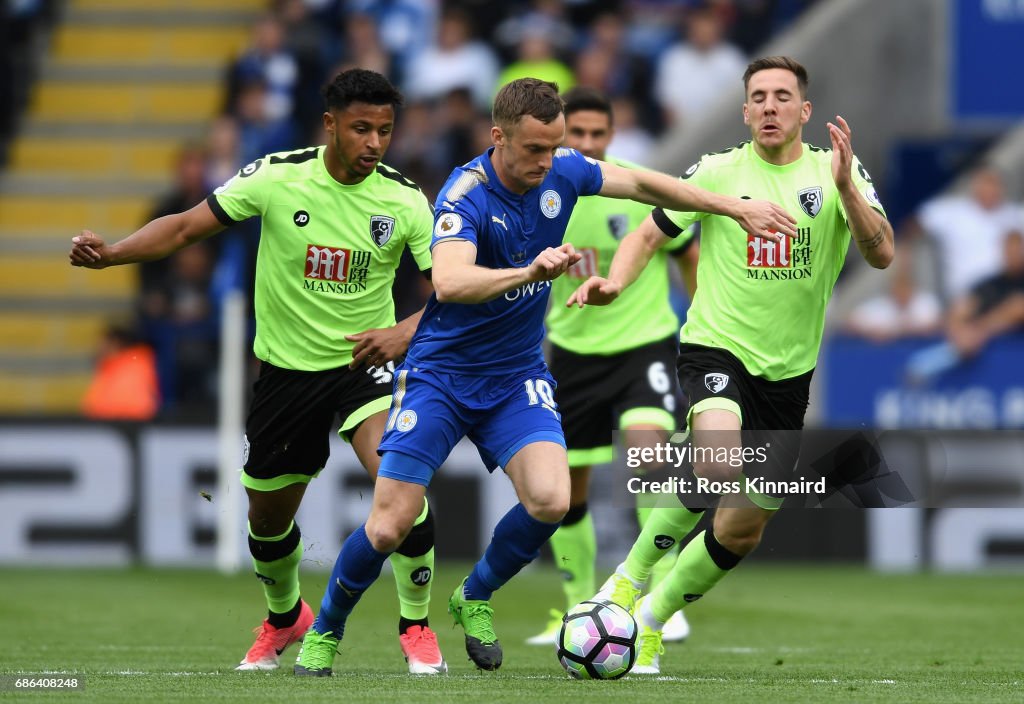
column 716, row 381
column 550, row 203
column 381, row 227
column 406, row 421
column 448, row 224
column 810, row 200
column 618, row 225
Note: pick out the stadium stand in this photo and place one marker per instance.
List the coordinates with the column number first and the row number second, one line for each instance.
column 123, row 84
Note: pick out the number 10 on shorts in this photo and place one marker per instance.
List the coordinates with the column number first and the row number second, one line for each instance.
column 539, row 392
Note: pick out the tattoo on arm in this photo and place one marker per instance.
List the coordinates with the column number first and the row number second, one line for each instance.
column 878, row 238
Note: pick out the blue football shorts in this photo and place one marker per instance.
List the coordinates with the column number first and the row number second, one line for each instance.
column 432, row 410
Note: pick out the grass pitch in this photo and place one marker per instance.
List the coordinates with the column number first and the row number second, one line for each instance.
column 766, row 634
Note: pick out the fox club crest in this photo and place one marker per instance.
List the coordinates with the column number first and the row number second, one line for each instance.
column 810, row 200
column 381, row 227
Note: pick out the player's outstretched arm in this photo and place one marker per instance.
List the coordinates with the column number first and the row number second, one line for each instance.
column 760, row 218
column 634, row 253
column 458, row 279
column 871, row 232
column 154, row 240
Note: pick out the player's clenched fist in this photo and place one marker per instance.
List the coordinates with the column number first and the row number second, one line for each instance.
column 88, row 250
column 553, row 262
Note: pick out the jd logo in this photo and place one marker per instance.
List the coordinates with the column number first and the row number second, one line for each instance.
column 266, row 580
column 664, row 542
column 690, row 598
column 301, row 218
column 420, row 576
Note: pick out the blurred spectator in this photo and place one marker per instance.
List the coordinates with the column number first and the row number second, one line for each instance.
column 624, row 73
column 544, row 18
column 124, row 385
column 630, row 141
column 405, row 29
column 537, row 59
column 362, row 47
column 968, row 231
column 178, row 317
column 455, row 61
column 259, row 133
column 691, row 75
column 992, row 307
column 268, row 62
column 308, row 39
column 223, row 151
column 21, row 32
column 190, row 187
column 414, row 149
column 457, row 141
column 904, row 311
column 652, row 23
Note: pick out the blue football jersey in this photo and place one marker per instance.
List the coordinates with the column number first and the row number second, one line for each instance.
column 509, row 230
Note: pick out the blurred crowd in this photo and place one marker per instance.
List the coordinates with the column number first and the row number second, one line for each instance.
column 23, row 25
column 969, row 243
column 449, row 59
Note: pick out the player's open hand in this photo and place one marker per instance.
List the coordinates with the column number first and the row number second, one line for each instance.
column 378, row 346
column 765, row 219
column 842, row 152
column 88, row 250
column 553, row 262
column 595, row 291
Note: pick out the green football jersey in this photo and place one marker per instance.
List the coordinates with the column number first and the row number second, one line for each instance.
column 327, row 255
column 765, row 301
column 643, row 313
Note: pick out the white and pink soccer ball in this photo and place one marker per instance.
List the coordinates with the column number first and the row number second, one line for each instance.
column 597, row 641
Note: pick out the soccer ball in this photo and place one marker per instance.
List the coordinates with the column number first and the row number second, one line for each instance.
column 597, row 641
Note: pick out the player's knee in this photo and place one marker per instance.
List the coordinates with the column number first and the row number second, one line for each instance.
column 548, row 509
column 387, row 534
column 739, row 540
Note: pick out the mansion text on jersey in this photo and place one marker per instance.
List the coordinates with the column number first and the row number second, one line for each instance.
column 785, row 260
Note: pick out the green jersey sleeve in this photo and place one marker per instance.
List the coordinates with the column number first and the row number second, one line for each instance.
column 862, row 182
column 675, row 223
column 420, row 233
column 244, row 195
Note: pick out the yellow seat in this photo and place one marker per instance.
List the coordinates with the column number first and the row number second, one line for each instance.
column 51, row 277
column 124, row 103
column 60, row 334
column 43, row 393
column 32, row 216
column 86, row 44
column 254, row 6
column 82, row 156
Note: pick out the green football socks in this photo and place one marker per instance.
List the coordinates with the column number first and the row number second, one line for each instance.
column 660, row 534
column 701, row 565
column 413, row 565
column 276, row 562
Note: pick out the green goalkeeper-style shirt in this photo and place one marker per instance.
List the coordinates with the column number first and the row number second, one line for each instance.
column 327, row 254
column 643, row 313
column 765, row 301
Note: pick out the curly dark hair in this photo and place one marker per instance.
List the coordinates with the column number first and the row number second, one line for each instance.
column 358, row 85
